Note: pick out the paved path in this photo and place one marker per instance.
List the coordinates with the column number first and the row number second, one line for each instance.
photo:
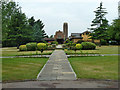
column 59, row 47
column 57, row 68
column 63, row 84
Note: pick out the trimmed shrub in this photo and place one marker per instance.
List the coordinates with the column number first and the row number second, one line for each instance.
column 78, row 46
column 31, row 46
column 41, row 46
column 54, row 42
column 22, row 48
column 88, row 46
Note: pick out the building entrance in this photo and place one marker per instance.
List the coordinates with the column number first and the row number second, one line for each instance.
column 60, row 41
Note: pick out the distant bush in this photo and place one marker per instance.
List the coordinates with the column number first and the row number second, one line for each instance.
column 51, row 47
column 68, row 44
column 73, row 44
column 103, row 42
column 88, row 46
column 54, row 42
column 41, row 46
column 78, row 46
column 54, row 45
column 22, row 48
column 31, row 46
column 67, row 41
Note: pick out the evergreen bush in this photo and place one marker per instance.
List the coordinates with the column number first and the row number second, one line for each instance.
column 54, row 42
column 88, row 46
column 103, row 42
column 22, row 48
column 31, row 46
column 78, row 46
column 41, row 46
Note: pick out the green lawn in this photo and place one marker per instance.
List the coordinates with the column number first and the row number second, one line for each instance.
column 95, row 67
column 99, row 50
column 13, row 51
column 21, row 68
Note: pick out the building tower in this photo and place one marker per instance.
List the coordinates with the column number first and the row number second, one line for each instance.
column 65, row 30
column 119, row 9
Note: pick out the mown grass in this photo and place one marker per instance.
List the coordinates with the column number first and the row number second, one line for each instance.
column 21, row 68
column 95, row 67
column 99, row 50
column 13, row 51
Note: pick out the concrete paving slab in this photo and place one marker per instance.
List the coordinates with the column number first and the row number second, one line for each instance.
column 57, row 68
column 63, row 84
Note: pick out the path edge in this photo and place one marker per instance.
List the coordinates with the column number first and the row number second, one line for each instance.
column 43, row 67
column 71, row 66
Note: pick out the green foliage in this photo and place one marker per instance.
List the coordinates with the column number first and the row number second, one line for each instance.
column 22, row 48
column 14, row 23
column 88, row 46
column 114, row 30
column 99, row 25
column 78, row 46
column 80, row 41
column 68, row 44
column 67, row 41
column 73, row 44
column 39, row 33
column 17, row 28
column 41, row 46
column 103, row 42
column 54, row 42
column 51, row 47
column 31, row 46
column 54, row 45
column 51, row 36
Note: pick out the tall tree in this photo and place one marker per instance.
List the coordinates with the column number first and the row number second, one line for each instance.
column 99, row 25
column 31, row 21
column 51, row 36
column 15, row 26
column 19, row 30
column 8, row 10
column 39, row 33
column 114, row 30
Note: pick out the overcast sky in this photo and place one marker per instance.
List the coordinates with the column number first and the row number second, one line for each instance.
column 77, row 13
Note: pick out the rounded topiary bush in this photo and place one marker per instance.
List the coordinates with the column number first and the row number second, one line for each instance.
column 78, row 46
column 41, row 46
column 88, row 46
column 22, row 48
column 31, row 46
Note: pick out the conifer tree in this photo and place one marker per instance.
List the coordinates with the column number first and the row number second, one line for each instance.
column 38, row 32
column 99, row 25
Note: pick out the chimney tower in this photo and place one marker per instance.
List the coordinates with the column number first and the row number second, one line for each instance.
column 65, row 30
